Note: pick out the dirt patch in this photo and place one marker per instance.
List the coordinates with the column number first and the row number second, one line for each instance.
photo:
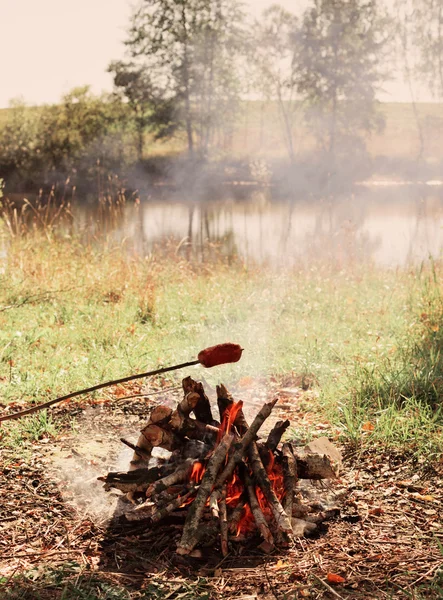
column 384, row 543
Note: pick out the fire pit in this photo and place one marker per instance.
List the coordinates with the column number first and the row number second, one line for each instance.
column 220, row 481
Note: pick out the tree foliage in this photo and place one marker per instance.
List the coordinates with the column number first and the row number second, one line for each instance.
column 273, row 69
column 69, row 139
column 190, row 49
column 338, row 58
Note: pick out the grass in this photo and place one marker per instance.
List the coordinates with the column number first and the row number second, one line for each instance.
column 75, row 314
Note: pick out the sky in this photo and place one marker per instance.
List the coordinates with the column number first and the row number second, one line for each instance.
column 50, row 46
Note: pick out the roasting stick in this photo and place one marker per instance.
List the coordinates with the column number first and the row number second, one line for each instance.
column 209, row 357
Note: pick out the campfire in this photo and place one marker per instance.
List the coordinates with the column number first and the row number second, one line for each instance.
column 221, row 482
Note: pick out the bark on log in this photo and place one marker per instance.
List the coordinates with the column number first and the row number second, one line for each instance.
column 282, row 519
column 133, row 481
column 257, row 513
column 178, row 476
column 144, row 511
column 241, row 447
column 236, row 515
column 223, row 523
column 158, row 437
column 203, row 410
column 190, row 538
column 276, row 434
column 224, row 400
column 290, row 478
column 139, row 452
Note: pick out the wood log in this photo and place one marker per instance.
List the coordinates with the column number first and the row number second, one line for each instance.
column 237, row 514
column 224, row 400
column 276, row 434
column 178, row 476
column 160, row 415
column 203, row 410
column 184, row 426
column 139, row 452
column 158, row 437
column 140, row 462
column 189, row 402
column 133, row 481
column 223, row 523
column 320, row 459
column 261, row 478
column 290, row 478
column 241, row 446
column 190, row 538
column 257, row 513
column 144, row 511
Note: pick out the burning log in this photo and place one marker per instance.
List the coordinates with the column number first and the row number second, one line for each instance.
column 178, row 476
column 281, row 518
column 223, row 523
column 257, row 513
column 190, row 537
column 219, row 476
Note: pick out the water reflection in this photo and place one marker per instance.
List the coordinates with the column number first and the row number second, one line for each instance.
column 386, row 227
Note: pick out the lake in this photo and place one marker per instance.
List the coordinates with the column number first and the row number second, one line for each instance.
column 383, row 225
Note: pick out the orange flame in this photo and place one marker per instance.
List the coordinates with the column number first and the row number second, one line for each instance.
column 246, row 521
column 197, row 472
column 234, row 489
column 229, row 419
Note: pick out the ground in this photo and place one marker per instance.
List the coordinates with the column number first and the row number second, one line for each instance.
column 59, row 540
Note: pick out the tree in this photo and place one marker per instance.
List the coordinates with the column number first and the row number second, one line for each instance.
column 45, row 145
column 338, row 58
column 190, row 48
column 18, row 140
column 150, row 111
column 273, row 66
column 427, row 35
column 405, row 35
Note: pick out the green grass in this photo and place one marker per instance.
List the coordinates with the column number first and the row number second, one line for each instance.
column 72, row 315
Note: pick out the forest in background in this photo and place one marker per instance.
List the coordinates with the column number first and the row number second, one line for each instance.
column 286, row 98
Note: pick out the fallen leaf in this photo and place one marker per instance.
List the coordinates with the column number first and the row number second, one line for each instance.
column 368, row 426
column 423, row 498
column 377, row 511
column 333, row 578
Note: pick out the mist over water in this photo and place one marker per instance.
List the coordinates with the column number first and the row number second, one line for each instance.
column 387, row 227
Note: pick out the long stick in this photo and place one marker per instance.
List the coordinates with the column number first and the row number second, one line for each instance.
column 100, row 386
column 209, row 357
